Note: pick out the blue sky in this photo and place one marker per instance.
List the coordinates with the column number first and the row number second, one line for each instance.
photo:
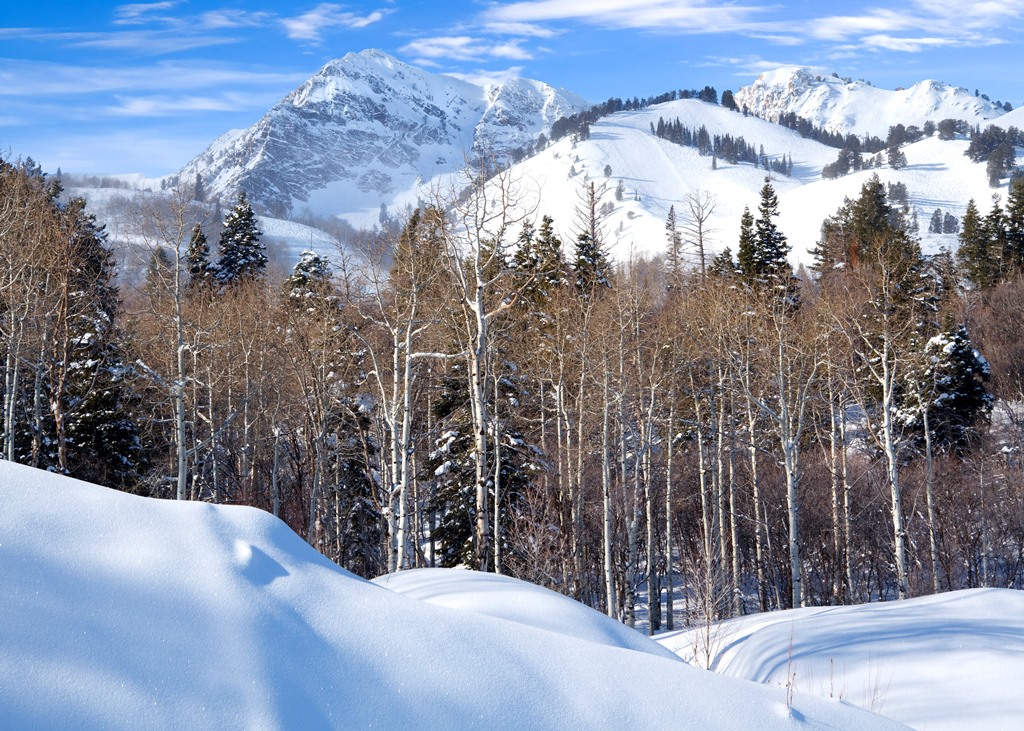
column 143, row 87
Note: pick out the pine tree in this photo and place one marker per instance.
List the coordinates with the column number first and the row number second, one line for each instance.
column 591, row 265
column 674, row 251
column 763, row 249
column 1014, row 217
column 951, row 384
column 746, row 253
column 89, row 385
column 975, row 254
column 197, row 258
column 242, row 256
column 723, row 265
column 308, row 287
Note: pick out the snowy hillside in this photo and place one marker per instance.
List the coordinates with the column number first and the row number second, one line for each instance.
column 656, row 174
column 856, row 106
column 949, row 661
column 366, row 127
column 128, row 612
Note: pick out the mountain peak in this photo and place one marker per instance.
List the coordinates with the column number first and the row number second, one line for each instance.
column 371, row 126
column 845, row 106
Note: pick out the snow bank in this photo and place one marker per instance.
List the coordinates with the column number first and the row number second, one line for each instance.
column 518, row 601
column 119, row 611
column 949, row 661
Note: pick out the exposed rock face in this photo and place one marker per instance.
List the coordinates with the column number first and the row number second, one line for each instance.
column 367, row 126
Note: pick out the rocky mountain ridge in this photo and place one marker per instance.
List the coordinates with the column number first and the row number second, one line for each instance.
column 367, row 127
column 847, row 106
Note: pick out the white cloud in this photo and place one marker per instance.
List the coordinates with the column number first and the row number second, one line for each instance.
column 909, row 45
column 136, row 13
column 530, row 30
column 746, row 66
column 692, row 16
column 33, row 79
column 148, row 42
column 464, row 48
column 311, row 25
column 168, row 106
column 221, row 19
column 490, row 78
column 842, row 27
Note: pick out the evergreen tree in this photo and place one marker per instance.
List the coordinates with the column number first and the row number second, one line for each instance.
column 978, row 261
column 197, row 258
column 935, row 224
column 723, row 265
column 763, row 249
column 242, row 256
column 674, row 251
column 88, row 373
column 590, row 264
column 308, row 287
column 1014, row 218
column 895, row 157
column 951, row 384
column 746, row 253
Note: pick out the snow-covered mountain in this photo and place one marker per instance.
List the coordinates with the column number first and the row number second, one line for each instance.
column 843, row 106
column 367, row 127
column 369, row 130
column 654, row 174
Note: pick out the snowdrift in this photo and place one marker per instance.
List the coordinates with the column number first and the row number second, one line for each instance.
column 948, row 661
column 126, row 612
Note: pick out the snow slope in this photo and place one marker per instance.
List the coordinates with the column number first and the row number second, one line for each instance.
column 948, row 661
column 657, row 174
column 517, row 601
column 118, row 611
column 856, row 106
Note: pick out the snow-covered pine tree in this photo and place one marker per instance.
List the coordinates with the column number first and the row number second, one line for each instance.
column 950, row 383
column 308, row 286
column 89, row 381
column 242, row 255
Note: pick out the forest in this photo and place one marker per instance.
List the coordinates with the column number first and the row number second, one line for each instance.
column 701, row 438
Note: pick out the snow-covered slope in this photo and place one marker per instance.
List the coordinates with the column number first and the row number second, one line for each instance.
column 367, row 126
column 948, row 661
column 506, row 598
column 856, row 106
column 124, row 612
column 656, row 174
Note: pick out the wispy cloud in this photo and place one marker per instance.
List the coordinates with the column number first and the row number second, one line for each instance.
column 746, row 66
column 918, row 44
column 527, row 30
column 169, row 106
column 490, row 78
column 685, row 17
column 464, row 48
column 311, row 25
column 34, row 79
column 150, row 42
column 139, row 13
column 897, row 27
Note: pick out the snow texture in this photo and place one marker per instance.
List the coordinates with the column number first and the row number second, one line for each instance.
column 125, row 612
column 948, row 661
